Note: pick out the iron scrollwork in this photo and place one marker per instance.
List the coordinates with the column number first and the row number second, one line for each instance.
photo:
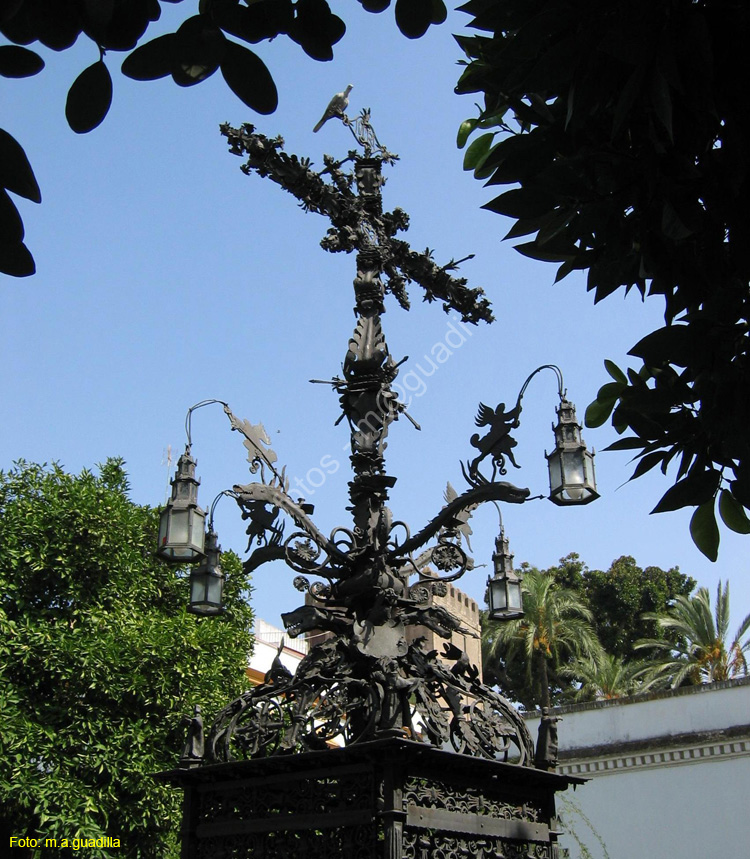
column 346, row 691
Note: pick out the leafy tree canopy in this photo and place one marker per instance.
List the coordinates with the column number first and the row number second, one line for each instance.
column 212, row 39
column 619, row 596
column 99, row 661
column 613, row 604
column 623, row 129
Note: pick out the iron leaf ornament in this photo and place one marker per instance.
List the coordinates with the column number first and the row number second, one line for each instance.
column 258, row 444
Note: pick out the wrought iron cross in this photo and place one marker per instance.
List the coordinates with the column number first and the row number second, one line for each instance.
column 368, row 680
column 385, row 264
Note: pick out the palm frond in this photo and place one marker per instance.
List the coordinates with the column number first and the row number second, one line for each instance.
column 700, row 652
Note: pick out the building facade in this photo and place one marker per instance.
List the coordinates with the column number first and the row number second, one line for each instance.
column 268, row 639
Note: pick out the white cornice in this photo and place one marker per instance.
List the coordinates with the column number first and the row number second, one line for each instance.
column 656, row 758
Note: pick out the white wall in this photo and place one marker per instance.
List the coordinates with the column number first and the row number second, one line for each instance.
column 702, row 708
column 691, row 811
column 670, row 774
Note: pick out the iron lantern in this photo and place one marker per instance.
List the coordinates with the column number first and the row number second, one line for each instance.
column 504, row 586
column 181, row 524
column 207, row 580
column 571, row 465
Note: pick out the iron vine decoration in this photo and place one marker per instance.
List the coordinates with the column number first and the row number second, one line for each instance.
column 366, row 680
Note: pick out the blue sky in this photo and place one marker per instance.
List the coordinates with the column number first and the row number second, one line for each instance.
column 166, row 276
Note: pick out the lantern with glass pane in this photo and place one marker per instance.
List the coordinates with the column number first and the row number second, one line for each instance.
column 571, row 465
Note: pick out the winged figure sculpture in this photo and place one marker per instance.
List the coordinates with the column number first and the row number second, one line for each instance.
column 497, row 443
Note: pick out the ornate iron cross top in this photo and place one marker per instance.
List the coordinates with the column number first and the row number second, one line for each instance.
column 368, row 559
column 353, row 203
column 367, row 680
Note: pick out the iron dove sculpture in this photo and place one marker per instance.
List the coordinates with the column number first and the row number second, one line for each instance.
column 336, row 107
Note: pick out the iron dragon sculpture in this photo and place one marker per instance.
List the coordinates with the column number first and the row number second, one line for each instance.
column 367, row 583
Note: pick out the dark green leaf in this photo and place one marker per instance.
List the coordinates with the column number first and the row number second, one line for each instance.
column 619, row 421
column 615, row 372
column 647, row 462
column 99, row 13
column 672, row 225
column 598, row 412
column 316, row 29
column 280, row 13
column 541, row 107
column 637, row 379
column 16, row 260
column 121, row 27
column 642, row 424
column 56, row 24
column 439, row 12
column 197, row 51
column 521, row 203
column 15, row 171
column 494, row 119
column 262, row 20
column 11, row 225
column 534, row 250
column 464, row 130
column 485, row 167
column 567, row 267
column 630, row 443
column 14, row 26
column 375, row 5
column 249, row 79
column 89, row 98
column 18, row 62
column 695, row 489
column 525, row 226
column 413, row 17
column 235, row 20
column 627, row 99
column 611, row 391
column 151, row 61
column 477, row 151
column 672, row 343
column 520, row 157
column 554, row 231
column 686, row 461
column 662, row 101
column 705, row 531
column 733, row 513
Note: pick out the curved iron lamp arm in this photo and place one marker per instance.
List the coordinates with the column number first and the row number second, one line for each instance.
column 212, row 507
column 189, row 417
column 500, row 491
column 560, row 384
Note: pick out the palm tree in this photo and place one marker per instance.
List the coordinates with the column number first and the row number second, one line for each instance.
column 701, row 654
column 606, row 677
column 556, row 624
